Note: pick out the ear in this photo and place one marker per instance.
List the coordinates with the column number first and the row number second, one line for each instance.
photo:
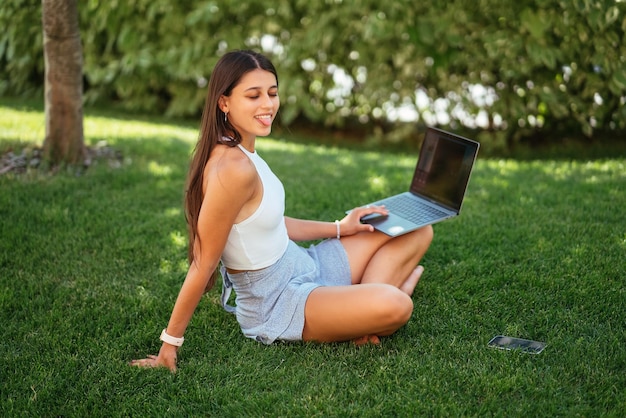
column 223, row 104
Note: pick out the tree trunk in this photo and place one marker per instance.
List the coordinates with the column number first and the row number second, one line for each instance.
column 63, row 55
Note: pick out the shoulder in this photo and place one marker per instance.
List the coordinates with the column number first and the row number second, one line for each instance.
column 231, row 168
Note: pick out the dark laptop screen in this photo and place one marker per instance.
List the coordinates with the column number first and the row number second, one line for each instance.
column 444, row 168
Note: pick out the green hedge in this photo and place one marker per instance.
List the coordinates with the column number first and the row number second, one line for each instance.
column 542, row 69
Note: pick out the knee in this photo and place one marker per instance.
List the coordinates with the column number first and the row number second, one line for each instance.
column 419, row 240
column 422, row 238
column 426, row 234
column 395, row 306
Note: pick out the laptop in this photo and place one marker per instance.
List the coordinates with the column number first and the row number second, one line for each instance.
column 438, row 187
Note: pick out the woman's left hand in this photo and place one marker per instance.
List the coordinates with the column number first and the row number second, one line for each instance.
column 351, row 223
column 166, row 358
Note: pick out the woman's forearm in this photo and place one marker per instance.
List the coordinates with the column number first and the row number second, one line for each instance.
column 188, row 298
column 305, row 230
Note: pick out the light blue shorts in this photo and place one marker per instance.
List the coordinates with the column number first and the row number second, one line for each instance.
column 270, row 302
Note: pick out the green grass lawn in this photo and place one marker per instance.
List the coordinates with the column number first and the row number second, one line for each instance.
column 90, row 266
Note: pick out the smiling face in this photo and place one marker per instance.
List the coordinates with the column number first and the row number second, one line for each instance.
column 252, row 105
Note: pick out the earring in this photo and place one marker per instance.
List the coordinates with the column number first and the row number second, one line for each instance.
column 225, row 116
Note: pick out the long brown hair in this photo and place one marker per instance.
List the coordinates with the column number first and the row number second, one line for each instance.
column 213, row 128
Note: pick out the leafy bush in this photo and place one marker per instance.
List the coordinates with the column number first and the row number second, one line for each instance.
column 514, row 69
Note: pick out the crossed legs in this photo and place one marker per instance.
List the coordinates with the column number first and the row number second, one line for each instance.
column 384, row 275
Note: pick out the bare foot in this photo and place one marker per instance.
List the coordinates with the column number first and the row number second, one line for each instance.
column 373, row 339
column 409, row 284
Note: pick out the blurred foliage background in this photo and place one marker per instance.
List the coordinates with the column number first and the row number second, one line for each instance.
column 504, row 71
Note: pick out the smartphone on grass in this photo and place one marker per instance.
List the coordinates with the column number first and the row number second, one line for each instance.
column 512, row 343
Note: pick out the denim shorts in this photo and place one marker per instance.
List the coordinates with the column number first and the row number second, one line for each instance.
column 270, row 302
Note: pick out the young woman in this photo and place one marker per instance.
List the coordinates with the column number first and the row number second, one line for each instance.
column 354, row 285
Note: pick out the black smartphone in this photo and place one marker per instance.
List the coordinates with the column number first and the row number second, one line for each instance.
column 513, row 343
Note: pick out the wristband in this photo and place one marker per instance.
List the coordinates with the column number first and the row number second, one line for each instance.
column 338, row 229
column 166, row 338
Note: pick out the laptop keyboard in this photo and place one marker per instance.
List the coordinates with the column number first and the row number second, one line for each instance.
column 412, row 209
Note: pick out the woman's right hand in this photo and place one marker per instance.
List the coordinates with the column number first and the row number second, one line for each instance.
column 166, row 358
column 351, row 224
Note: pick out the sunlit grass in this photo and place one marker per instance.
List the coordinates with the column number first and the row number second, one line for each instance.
column 21, row 126
column 90, row 267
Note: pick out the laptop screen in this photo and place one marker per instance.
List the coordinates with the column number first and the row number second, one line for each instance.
column 444, row 168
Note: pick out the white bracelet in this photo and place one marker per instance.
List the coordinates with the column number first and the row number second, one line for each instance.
column 166, row 338
column 338, row 229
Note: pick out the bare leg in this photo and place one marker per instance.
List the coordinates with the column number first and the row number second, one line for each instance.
column 377, row 258
column 386, row 270
column 344, row 313
column 409, row 285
